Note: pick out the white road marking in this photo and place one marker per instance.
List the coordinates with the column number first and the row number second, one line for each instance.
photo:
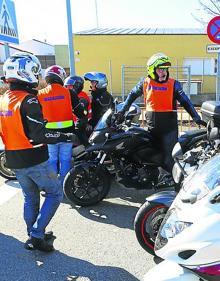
column 7, row 191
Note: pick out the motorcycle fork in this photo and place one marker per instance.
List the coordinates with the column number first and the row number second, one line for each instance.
column 101, row 157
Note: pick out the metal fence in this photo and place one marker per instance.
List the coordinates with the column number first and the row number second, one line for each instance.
column 185, row 121
column 132, row 74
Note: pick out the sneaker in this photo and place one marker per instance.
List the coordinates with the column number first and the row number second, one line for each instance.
column 34, row 243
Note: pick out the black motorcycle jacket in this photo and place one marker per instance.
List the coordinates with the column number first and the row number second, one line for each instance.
column 102, row 100
column 34, row 129
column 163, row 121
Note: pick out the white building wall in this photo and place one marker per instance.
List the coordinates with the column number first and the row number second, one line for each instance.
column 37, row 47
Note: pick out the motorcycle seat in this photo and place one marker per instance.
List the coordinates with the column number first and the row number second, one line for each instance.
column 191, row 137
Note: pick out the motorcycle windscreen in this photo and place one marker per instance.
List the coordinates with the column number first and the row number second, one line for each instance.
column 104, row 121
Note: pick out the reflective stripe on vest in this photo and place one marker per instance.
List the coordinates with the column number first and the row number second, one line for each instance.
column 59, row 125
column 158, row 97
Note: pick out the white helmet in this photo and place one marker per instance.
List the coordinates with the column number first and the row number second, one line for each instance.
column 22, row 67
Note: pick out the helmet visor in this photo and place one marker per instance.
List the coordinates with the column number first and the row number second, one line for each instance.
column 164, row 65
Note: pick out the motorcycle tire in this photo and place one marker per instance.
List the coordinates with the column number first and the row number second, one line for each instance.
column 86, row 184
column 4, row 171
column 147, row 223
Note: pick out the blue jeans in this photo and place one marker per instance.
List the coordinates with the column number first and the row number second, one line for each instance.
column 33, row 180
column 60, row 155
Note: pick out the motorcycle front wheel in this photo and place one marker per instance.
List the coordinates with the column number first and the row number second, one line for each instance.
column 86, row 184
column 147, row 223
column 4, row 171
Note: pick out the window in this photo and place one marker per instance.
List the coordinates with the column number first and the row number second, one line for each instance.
column 201, row 66
column 46, row 61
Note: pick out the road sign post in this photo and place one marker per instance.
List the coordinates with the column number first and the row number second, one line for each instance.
column 213, row 31
column 8, row 24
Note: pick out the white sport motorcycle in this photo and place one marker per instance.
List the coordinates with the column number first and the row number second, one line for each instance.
column 189, row 237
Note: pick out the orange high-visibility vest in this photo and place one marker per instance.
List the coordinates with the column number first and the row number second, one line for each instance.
column 56, row 106
column 158, row 97
column 11, row 126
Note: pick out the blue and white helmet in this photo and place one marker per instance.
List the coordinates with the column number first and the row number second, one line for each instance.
column 99, row 77
column 22, row 67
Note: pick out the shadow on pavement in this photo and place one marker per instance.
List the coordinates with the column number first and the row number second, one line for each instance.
column 119, row 208
column 121, row 216
column 18, row 264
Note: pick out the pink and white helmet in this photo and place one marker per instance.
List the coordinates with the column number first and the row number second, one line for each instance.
column 55, row 74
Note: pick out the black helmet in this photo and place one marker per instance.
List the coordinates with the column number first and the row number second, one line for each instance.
column 76, row 82
column 99, row 77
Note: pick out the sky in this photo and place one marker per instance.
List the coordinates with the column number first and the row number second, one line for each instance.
column 46, row 20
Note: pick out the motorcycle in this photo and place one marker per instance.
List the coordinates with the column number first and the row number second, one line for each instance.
column 4, row 171
column 124, row 151
column 188, row 154
column 151, row 214
column 188, row 239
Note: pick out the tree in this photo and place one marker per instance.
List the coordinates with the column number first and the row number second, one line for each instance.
column 208, row 10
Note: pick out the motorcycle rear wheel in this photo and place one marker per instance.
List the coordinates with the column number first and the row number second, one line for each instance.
column 86, row 184
column 147, row 223
column 4, row 171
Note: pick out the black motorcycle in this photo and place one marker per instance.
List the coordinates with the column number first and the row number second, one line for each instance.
column 124, row 151
column 189, row 153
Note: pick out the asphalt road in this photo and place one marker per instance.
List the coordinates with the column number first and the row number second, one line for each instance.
column 93, row 244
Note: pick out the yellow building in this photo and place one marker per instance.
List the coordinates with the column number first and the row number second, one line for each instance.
column 122, row 54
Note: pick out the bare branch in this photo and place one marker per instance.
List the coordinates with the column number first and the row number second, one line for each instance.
column 208, row 9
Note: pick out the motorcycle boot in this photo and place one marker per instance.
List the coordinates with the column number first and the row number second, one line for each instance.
column 34, row 243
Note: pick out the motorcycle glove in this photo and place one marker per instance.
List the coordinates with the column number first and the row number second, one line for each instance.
column 200, row 122
column 119, row 117
column 73, row 138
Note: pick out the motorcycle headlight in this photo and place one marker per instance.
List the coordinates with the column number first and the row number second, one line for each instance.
column 170, row 230
column 170, row 227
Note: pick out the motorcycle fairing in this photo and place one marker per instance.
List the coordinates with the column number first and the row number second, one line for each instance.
column 170, row 271
column 165, row 197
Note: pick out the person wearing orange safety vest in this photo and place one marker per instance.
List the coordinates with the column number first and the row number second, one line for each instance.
column 76, row 83
column 161, row 94
column 24, row 135
column 58, row 105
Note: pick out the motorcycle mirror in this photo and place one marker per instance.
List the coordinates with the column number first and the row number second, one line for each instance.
column 116, row 100
column 214, row 134
column 189, row 199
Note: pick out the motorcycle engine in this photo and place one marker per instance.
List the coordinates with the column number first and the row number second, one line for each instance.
column 139, row 176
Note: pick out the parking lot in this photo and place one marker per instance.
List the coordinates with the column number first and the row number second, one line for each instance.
column 95, row 243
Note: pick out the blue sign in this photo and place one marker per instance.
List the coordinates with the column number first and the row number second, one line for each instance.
column 8, row 24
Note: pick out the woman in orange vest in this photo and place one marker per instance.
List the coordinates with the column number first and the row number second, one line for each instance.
column 76, row 83
column 161, row 94
column 24, row 135
column 58, row 105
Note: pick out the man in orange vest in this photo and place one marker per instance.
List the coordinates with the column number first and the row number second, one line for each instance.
column 58, row 105
column 76, row 83
column 161, row 94
column 24, row 135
